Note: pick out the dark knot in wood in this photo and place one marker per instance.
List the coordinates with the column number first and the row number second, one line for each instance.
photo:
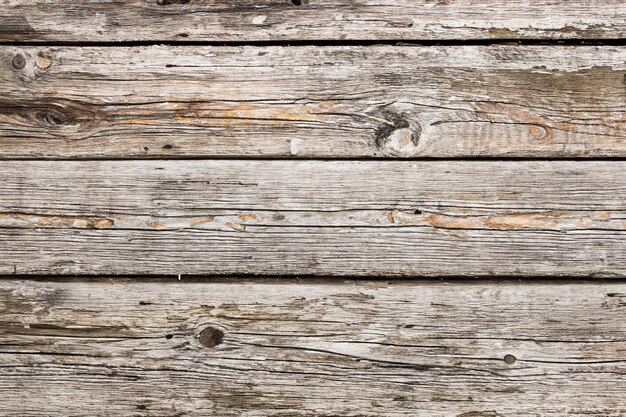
column 51, row 113
column 19, row 62
column 51, row 118
column 509, row 359
column 211, row 337
column 398, row 135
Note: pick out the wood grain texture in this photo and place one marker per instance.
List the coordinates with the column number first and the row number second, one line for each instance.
column 376, row 218
column 311, row 348
column 271, row 20
column 308, row 102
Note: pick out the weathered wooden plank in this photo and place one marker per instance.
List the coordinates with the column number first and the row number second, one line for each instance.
column 314, row 217
column 262, row 20
column 311, row 348
column 335, row 101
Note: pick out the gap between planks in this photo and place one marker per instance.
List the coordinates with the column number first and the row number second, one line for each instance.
column 330, row 42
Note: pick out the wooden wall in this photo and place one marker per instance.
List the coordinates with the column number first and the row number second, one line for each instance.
column 313, row 208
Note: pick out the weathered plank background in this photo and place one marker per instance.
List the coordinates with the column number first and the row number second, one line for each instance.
column 283, row 207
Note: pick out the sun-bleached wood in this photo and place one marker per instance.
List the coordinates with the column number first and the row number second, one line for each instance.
column 306, row 20
column 376, row 218
column 311, row 348
column 308, row 101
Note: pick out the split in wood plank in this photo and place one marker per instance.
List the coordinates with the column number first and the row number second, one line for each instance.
column 376, row 218
column 308, row 102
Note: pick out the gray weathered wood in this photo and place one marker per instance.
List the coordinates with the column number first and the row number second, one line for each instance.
column 336, row 101
column 313, row 217
column 254, row 20
column 312, row 348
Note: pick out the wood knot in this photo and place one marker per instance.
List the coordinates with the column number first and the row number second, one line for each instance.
column 538, row 132
column 509, row 359
column 55, row 114
column 19, row 62
column 51, row 118
column 210, row 337
column 398, row 135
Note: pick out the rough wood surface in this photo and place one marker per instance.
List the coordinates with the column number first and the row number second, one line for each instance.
column 122, row 348
column 306, row 101
column 263, row 20
column 371, row 218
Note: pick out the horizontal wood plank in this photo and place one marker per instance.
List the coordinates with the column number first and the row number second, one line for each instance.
column 308, row 102
column 284, row 20
column 376, row 218
column 311, row 348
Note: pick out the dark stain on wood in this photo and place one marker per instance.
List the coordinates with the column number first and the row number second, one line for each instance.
column 15, row 27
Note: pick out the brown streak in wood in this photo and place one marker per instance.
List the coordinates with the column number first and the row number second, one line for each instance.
column 56, row 221
column 247, row 217
column 551, row 220
column 198, row 221
column 155, row 224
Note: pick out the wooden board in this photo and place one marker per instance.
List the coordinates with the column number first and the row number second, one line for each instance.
column 306, row 20
column 377, row 218
column 311, row 102
column 312, row 348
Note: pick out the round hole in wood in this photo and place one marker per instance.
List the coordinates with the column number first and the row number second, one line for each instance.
column 509, row 359
column 211, row 337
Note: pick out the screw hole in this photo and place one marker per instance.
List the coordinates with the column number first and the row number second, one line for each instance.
column 509, row 359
